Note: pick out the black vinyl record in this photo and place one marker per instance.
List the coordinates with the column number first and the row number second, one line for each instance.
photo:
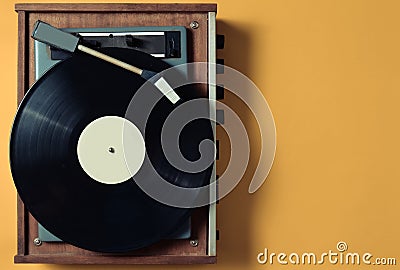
column 48, row 175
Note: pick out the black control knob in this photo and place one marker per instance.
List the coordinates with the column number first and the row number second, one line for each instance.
column 220, row 92
column 220, row 41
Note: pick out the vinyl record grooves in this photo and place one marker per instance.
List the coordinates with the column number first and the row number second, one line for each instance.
column 48, row 175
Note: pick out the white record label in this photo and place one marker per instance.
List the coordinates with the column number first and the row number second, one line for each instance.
column 101, row 149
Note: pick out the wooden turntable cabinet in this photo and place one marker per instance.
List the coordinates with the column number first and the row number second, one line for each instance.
column 199, row 21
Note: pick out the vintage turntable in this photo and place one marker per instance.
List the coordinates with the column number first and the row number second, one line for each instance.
column 83, row 219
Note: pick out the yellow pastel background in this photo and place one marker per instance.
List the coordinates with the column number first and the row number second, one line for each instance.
column 330, row 70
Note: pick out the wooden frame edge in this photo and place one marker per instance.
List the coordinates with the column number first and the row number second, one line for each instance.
column 128, row 7
column 114, row 260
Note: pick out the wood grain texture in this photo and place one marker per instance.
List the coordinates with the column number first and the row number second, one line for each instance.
column 22, row 56
column 110, row 15
column 22, row 227
column 36, row 7
column 114, row 260
column 21, row 88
